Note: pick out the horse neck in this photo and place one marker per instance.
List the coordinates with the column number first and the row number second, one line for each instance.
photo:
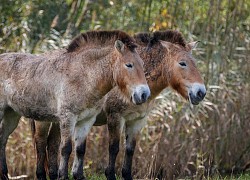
column 98, row 71
column 105, row 81
column 155, row 69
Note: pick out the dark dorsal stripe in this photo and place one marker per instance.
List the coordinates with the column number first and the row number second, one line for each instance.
column 101, row 38
column 150, row 39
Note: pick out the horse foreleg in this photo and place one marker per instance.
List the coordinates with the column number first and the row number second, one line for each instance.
column 40, row 140
column 67, row 125
column 115, row 125
column 132, row 130
column 53, row 149
column 81, row 131
column 8, row 123
column 3, row 141
column 3, row 164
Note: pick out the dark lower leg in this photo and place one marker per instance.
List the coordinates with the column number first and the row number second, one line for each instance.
column 114, row 141
column 8, row 123
column 81, row 131
column 66, row 149
column 40, row 139
column 41, row 157
column 113, row 151
column 3, row 142
column 67, row 126
column 53, row 149
column 78, row 169
column 128, row 159
column 3, row 165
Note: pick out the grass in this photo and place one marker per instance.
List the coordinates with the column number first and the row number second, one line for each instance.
column 245, row 176
column 96, row 176
column 232, row 177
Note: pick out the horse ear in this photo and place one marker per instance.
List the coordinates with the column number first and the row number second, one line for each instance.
column 165, row 44
column 119, row 46
column 192, row 45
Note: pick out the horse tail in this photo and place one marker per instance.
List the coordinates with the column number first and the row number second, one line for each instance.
column 46, row 163
column 33, row 131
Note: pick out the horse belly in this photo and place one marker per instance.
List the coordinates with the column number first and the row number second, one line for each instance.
column 29, row 102
column 33, row 109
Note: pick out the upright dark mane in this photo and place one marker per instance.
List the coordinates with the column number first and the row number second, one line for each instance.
column 152, row 38
column 101, row 38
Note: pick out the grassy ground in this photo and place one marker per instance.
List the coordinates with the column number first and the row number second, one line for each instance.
column 238, row 177
column 96, row 177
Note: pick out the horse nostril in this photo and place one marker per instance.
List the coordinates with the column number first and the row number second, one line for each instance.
column 201, row 94
column 144, row 97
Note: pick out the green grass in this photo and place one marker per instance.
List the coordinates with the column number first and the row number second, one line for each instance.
column 95, row 176
column 233, row 177
column 244, row 176
column 218, row 177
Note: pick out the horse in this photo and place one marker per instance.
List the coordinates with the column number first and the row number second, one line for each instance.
column 168, row 62
column 65, row 85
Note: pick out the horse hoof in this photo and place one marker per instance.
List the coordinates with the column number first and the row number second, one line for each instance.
column 4, row 177
column 110, row 175
column 53, row 177
column 79, row 177
column 63, row 178
column 126, row 175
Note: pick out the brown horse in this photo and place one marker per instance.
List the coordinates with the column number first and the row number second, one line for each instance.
column 64, row 86
column 168, row 63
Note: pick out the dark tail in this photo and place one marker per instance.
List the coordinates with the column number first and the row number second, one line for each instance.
column 33, row 130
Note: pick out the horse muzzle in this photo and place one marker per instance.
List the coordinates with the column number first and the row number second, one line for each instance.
column 140, row 94
column 196, row 93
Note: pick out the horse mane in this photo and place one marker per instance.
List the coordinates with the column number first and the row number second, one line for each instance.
column 101, row 38
column 150, row 39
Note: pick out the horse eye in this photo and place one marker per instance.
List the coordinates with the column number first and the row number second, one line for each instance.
column 183, row 64
column 129, row 65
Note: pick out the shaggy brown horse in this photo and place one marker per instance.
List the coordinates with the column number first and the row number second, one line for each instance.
column 168, row 63
column 65, row 85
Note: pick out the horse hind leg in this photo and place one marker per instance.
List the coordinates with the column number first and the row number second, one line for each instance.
column 53, row 149
column 8, row 123
column 40, row 135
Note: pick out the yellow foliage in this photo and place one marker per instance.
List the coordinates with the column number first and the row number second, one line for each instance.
column 164, row 24
column 164, row 12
